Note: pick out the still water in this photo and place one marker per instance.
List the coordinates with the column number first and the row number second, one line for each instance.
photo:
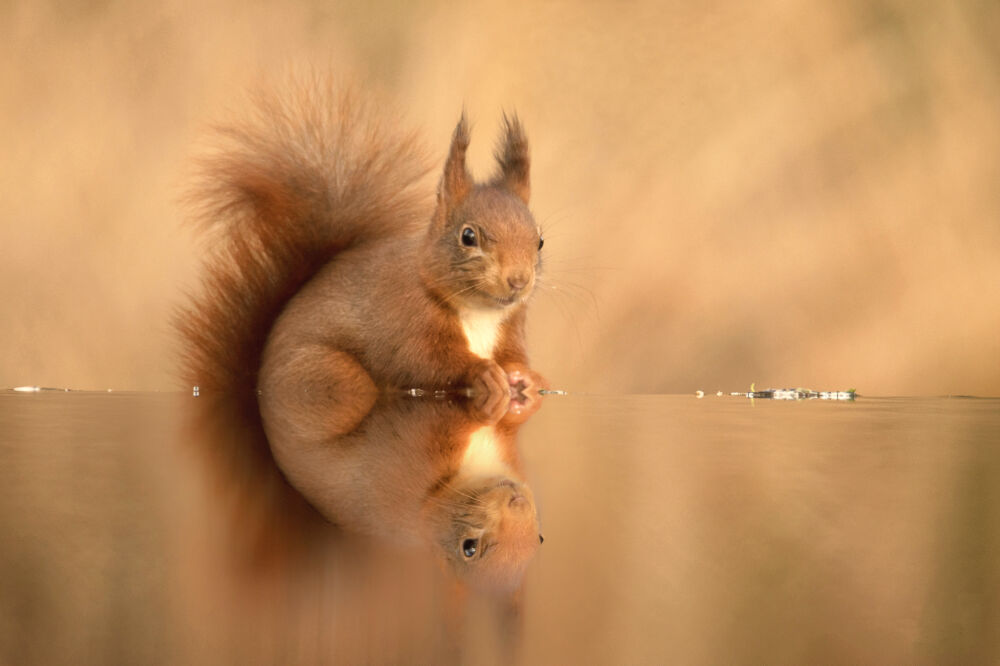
column 677, row 530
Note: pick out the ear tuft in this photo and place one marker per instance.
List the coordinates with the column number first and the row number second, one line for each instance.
column 513, row 159
column 456, row 180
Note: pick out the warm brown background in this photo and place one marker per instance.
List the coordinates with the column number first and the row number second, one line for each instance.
column 787, row 193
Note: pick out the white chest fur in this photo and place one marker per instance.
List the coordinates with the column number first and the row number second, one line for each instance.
column 482, row 456
column 482, row 329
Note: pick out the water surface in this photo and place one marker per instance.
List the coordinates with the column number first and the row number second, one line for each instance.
column 677, row 529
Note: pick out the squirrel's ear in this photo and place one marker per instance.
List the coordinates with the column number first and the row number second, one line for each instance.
column 513, row 160
column 456, row 181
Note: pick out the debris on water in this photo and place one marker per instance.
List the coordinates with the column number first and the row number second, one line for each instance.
column 796, row 394
column 699, row 394
column 552, row 392
column 39, row 389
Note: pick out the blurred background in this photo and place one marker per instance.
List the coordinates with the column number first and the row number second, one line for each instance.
column 785, row 193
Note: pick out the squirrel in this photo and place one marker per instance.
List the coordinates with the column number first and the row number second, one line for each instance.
column 334, row 281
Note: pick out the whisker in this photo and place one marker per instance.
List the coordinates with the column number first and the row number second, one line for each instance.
column 570, row 289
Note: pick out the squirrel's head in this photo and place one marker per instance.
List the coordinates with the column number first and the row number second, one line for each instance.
column 487, row 530
column 483, row 249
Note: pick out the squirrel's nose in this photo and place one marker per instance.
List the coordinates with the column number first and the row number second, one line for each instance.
column 518, row 281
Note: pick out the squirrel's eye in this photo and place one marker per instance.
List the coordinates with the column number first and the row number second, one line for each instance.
column 469, row 547
column 541, row 242
column 469, row 237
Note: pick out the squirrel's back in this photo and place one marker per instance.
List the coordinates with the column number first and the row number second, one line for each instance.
column 307, row 173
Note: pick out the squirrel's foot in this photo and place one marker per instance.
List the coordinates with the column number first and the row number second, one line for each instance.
column 490, row 392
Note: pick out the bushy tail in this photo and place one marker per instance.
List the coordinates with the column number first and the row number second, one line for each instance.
column 307, row 173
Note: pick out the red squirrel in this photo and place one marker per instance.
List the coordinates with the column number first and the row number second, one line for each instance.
column 334, row 282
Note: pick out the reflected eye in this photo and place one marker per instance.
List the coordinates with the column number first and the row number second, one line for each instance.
column 469, row 547
column 541, row 242
column 469, row 237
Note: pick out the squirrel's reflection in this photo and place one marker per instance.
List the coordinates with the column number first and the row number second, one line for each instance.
column 422, row 472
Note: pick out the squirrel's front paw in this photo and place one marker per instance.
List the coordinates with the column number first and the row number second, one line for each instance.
column 523, row 380
column 525, row 398
column 489, row 391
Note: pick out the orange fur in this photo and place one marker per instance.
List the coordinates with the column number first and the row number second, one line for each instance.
column 306, row 175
